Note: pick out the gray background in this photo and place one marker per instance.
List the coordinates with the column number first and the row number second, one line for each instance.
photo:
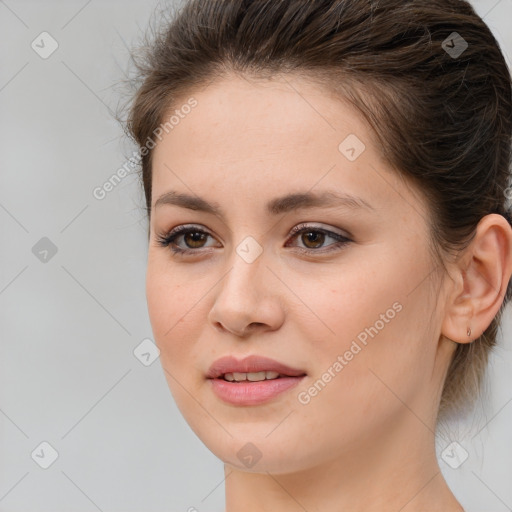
column 70, row 323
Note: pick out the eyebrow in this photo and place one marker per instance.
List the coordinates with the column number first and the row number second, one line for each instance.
column 276, row 206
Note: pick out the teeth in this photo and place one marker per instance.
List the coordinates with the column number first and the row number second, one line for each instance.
column 251, row 376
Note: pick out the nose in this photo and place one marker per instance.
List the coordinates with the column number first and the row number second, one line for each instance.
column 247, row 300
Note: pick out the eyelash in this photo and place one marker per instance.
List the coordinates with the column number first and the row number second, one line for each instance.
column 168, row 239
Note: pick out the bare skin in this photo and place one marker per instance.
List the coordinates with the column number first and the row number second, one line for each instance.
column 365, row 440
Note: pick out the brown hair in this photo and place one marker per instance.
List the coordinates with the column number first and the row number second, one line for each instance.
column 443, row 120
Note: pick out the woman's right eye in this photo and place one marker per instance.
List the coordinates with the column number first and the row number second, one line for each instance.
column 193, row 238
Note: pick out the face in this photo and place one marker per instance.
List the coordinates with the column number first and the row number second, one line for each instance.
column 336, row 285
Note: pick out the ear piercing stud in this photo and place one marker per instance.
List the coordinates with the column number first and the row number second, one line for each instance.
column 469, row 331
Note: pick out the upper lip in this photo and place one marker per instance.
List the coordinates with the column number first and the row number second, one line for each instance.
column 254, row 363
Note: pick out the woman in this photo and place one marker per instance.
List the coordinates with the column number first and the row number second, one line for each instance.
column 329, row 241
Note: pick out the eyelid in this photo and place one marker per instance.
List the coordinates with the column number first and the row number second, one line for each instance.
column 314, row 227
column 186, row 227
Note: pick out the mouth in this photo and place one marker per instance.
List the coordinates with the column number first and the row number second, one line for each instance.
column 253, row 368
column 252, row 376
column 251, row 381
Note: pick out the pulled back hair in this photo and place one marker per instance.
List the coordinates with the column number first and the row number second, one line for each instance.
column 442, row 121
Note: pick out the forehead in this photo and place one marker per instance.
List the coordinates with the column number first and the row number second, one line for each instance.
column 286, row 111
column 238, row 121
column 273, row 136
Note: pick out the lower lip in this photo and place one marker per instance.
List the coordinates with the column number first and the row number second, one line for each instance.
column 252, row 393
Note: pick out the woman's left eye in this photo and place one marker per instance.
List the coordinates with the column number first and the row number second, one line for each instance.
column 312, row 238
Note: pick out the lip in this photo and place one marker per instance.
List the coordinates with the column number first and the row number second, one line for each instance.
column 251, row 393
column 253, row 363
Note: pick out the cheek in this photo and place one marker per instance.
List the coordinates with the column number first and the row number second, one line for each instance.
column 382, row 335
column 172, row 306
column 339, row 303
column 176, row 319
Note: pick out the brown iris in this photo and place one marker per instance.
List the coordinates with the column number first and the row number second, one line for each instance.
column 193, row 239
column 313, row 237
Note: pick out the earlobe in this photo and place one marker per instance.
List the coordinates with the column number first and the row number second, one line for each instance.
column 481, row 279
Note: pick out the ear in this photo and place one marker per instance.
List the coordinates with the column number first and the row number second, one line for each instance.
column 480, row 281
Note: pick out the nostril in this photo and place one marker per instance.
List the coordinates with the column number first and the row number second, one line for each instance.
column 254, row 325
